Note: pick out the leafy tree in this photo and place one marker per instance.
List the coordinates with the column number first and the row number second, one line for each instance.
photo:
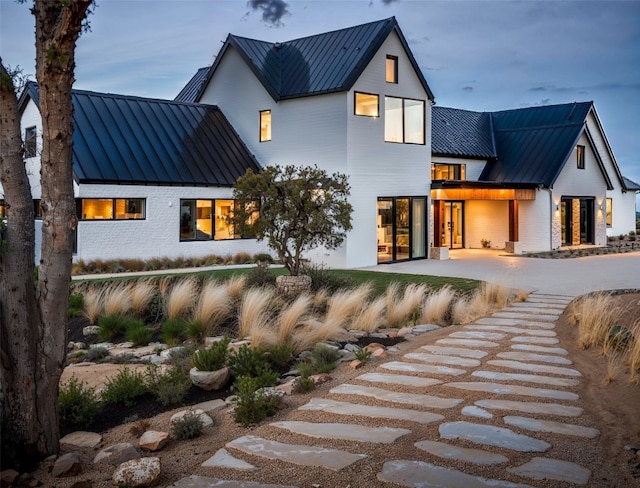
column 299, row 208
column 33, row 315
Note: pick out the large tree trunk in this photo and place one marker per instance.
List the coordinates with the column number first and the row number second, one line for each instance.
column 33, row 368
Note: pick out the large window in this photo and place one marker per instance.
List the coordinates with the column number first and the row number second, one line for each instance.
column 111, row 208
column 265, row 125
column 205, row 220
column 403, row 120
column 448, row 171
column 30, row 142
column 366, row 104
column 392, row 69
column 580, row 156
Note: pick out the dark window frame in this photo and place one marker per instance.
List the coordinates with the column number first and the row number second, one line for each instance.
column 389, row 57
column 452, row 168
column 580, row 156
column 30, row 142
column 142, row 201
column 261, row 112
column 355, row 104
column 404, row 131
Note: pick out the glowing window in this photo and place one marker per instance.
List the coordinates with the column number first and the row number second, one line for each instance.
column 265, row 125
column 366, row 104
column 609, row 209
column 392, row 69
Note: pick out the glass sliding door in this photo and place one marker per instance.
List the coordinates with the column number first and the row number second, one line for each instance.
column 452, row 225
column 401, row 228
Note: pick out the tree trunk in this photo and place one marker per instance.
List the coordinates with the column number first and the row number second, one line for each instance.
column 36, row 337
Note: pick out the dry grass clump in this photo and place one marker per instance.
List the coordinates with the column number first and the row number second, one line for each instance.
column 486, row 299
column 595, row 314
column 254, row 315
column 633, row 354
column 141, row 295
column 180, row 299
column 370, row 316
column 615, row 366
column 345, row 304
column 400, row 309
column 93, row 303
column 313, row 332
column 117, row 300
column 236, row 285
column 292, row 317
column 436, row 306
column 214, row 306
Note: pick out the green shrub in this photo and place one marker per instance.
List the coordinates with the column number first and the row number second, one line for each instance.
column 322, row 278
column 95, row 354
column 181, row 357
column 280, row 356
column 138, row 333
column 174, row 331
column 171, row 387
column 362, row 354
column 252, row 406
column 77, row 403
column 196, row 331
column 154, row 312
column 324, row 358
column 303, row 384
column 188, row 427
column 253, row 363
column 76, row 305
column 126, row 388
column 212, row 358
column 260, row 276
column 263, row 257
column 305, row 369
column 111, row 326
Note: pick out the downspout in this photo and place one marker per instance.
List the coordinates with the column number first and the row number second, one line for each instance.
column 551, row 210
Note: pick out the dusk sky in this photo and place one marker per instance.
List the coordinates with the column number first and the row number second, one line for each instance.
column 476, row 55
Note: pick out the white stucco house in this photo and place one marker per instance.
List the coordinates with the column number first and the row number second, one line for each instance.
column 154, row 177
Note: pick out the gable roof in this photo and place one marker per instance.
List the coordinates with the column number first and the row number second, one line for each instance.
column 323, row 63
column 461, row 133
column 123, row 139
column 191, row 89
column 630, row 185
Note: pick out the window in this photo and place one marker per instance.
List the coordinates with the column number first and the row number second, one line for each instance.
column 448, row 171
column 392, row 69
column 265, row 125
column 111, row 208
column 199, row 223
column 30, row 140
column 403, row 120
column 2, row 210
column 366, row 104
column 224, row 226
column 37, row 208
column 580, row 156
column 609, row 210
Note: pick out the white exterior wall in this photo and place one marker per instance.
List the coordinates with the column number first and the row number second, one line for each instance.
column 323, row 130
column 158, row 235
column 486, row 219
column 623, row 216
column 584, row 183
column 534, row 219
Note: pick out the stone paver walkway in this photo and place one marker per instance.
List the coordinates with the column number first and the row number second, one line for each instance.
column 505, row 374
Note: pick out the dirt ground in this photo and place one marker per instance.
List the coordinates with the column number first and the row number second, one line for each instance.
column 612, row 408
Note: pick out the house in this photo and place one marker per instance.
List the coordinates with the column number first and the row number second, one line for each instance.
column 531, row 179
column 423, row 178
column 152, row 177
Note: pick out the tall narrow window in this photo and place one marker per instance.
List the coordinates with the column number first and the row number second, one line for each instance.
column 265, row 125
column 30, row 142
column 609, row 210
column 366, row 104
column 580, row 156
column 392, row 69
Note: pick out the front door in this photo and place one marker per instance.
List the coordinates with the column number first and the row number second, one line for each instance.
column 577, row 221
column 401, row 230
column 452, row 224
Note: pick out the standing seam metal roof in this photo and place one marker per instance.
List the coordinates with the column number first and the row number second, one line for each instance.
column 323, row 63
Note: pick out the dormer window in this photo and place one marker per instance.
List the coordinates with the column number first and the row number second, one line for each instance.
column 392, row 69
column 265, row 125
column 580, row 156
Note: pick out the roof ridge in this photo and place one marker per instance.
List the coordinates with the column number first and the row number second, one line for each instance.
column 537, row 127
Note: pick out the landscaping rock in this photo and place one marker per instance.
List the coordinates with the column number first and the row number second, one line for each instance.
column 153, row 440
column 351, row 347
column 346, row 356
column 287, row 387
column 67, row 465
column 211, row 405
column 379, row 353
column 373, row 346
column 81, row 439
column 319, row 379
column 356, row 364
column 206, row 420
column 210, row 380
column 7, row 477
column 138, row 472
column 117, row 454
column 90, row 330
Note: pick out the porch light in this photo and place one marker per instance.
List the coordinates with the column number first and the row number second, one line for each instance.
column 557, row 207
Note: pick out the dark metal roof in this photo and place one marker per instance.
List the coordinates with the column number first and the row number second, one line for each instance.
column 191, row 89
column 131, row 140
column 534, row 143
column 323, row 63
column 630, row 185
column 461, row 133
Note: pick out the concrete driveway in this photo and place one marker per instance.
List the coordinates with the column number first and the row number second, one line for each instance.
column 555, row 276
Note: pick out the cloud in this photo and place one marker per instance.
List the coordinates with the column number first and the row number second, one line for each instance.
column 606, row 86
column 467, row 88
column 272, row 10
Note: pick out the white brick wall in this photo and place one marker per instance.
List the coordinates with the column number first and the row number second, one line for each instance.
column 486, row 219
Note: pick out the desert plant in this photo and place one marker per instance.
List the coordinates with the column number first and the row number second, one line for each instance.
column 370, row 316
column 76, row 305
column 303, row 384
column 280, row 355
column 111, row 326
column 174, row 331
column 117, row 300
column 596, row 315
column 252, row 406
column 138, row 333
column 246, row 361
column 154, row 311
column 436, row 306
column 196, row 331
column 236, row 285
column 242, row 258
column 324, row 358
column 345, row 303
column 170, row 387
column 141, row 295
column 126, row 387
column 323, row 279
column 486, row 243
column 263, row 257
column 180, row 299
column 253, row 316
column 633, row 354
column 362, row 354
column 77, row 403
column 261, row 276
column 214, row 306
column 212, row 358
column 93, row 300
column 291, row 317
column 95, row 354
column 400, row 309
column 189, row 426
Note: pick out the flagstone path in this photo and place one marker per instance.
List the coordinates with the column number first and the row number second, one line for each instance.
column 517, row 398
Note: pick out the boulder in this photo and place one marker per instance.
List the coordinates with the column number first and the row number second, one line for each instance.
column 117, row 454
column 90, row 330
column 356, row 364
column 210, row 380
column 67, row 465
column 206, row 420
column 379, row 353
column 153, row 440
column 138, row 472
column 81, row 439
column 7, row 477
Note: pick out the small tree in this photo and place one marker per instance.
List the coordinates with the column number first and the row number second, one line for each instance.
column 294, row 208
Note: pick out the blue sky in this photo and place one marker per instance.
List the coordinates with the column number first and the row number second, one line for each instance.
column 476, row 55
